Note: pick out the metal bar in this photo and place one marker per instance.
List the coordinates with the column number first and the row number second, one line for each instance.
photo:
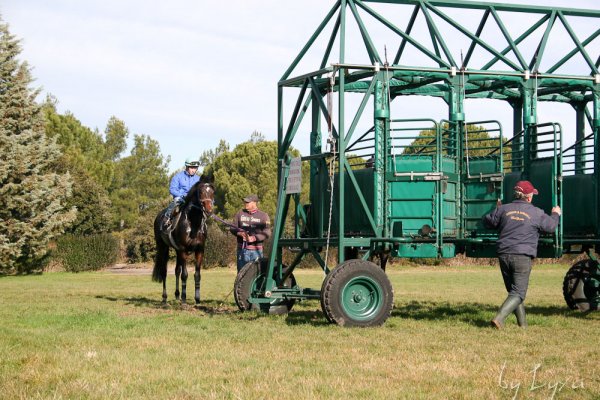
column 498, row 6
column 334, row 31
column 573, row 52
column 294, row 121
column 311, row 41
column 408, row 30
column 373, row 55
column 473, row 37
column 537, row 56
column 322, row 106
column 508, row 38
column 435, row 34
column 363, row 202
column 486, row 14
column 518, row 40
column 578, row 43
column 399, row 32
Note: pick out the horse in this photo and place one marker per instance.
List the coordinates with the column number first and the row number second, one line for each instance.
column 187, row 233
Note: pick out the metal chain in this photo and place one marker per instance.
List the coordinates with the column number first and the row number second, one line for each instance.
column 333, row 148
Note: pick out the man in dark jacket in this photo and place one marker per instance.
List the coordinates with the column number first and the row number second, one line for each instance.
column 520, row 224
column 253, row 228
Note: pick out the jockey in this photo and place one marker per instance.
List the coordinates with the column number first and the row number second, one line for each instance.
column 181, row 184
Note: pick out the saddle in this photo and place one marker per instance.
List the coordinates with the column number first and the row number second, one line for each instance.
column 167, row 226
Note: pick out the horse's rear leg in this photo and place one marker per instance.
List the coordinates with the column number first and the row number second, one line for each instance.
column 184, row 274
column 197, row 277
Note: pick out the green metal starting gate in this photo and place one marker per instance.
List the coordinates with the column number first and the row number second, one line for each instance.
column 399, row 186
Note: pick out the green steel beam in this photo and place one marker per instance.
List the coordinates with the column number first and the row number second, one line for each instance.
column 498, row 6
column 465, row 62
column 334, row 32
column 473, row 37
column 295, row 120
column 523, row 36
column 537, row 56
column 310, row 42
column 323, row 108
column 341, row 142
column 508, row 38
column 573, row 52
column 435, row 34
column 578, row 43
column 409, row 27
column 373, row 55
column 398, row 31
column 361, row 198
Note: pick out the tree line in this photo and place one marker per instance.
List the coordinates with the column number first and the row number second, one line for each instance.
column 59, row 177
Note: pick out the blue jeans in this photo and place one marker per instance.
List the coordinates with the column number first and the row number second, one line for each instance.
column 515, row 269
column 244, row 256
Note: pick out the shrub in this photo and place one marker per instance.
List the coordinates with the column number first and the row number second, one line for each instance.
column 220, row 249
column 87, row 253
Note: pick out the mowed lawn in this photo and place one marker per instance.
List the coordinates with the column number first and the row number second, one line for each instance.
column 103, row 335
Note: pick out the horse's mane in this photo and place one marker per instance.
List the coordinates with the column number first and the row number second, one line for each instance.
column 192, row 192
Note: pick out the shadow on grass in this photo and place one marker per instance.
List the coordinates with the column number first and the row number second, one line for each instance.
column 475, row 314
column 314, row 318
column 211, row 307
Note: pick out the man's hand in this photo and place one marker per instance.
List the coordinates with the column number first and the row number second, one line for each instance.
column 243, row 235
column 556, row 209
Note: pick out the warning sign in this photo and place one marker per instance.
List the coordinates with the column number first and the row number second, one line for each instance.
column 294, row 181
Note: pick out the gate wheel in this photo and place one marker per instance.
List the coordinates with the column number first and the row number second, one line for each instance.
column 357, row 293
column 252, row 278
column 579, row 290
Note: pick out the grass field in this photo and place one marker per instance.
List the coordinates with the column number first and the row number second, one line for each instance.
column 105, row 336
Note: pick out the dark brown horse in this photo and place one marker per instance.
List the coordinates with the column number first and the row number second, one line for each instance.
column 187, row 233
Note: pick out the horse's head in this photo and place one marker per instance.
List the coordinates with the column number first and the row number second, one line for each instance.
column 203, row 194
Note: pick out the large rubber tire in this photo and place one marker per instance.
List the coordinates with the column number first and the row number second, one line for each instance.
column 357, row 293
column 250, row 278
column 574, row 288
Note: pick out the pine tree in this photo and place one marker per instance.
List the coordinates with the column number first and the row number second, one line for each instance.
column 32, row 194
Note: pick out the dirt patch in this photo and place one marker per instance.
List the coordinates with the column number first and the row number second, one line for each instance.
column 130, row 269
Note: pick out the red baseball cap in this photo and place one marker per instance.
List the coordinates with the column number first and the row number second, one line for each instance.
column 525, row 187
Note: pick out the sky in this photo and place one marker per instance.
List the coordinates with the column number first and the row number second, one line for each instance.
column 187, row 73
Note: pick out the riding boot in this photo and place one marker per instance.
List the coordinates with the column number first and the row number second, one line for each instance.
column 509, row 305
column 520, row 314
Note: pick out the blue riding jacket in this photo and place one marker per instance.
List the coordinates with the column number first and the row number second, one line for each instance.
column 181, row 184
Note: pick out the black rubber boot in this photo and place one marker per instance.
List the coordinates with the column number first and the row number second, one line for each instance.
column 509, row 305
column 520, row 314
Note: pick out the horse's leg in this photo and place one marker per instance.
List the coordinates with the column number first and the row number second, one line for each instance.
column 197, row 276
column 177, row 274
column 184, row 274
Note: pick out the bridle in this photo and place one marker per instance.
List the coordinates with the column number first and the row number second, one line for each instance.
column 205, row 187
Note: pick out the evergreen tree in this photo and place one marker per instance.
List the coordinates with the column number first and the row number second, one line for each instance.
column 141, row 181
column 83, row 147
column 251, row 167
column 32, row 194
column 115, row 141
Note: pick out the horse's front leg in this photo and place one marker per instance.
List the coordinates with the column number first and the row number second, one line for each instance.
column 197, row 277
column 184, row 275
column 177, row 274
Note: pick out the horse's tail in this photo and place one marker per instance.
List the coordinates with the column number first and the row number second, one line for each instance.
column 159, row 273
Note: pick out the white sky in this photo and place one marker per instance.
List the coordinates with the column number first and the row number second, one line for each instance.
column 185, row 72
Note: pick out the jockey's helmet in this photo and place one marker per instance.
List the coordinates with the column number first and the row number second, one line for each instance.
column 192, row 162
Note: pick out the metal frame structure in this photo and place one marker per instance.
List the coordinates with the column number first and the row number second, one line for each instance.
column 382, row 208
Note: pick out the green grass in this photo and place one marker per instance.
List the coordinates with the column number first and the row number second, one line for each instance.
column 106, row 336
